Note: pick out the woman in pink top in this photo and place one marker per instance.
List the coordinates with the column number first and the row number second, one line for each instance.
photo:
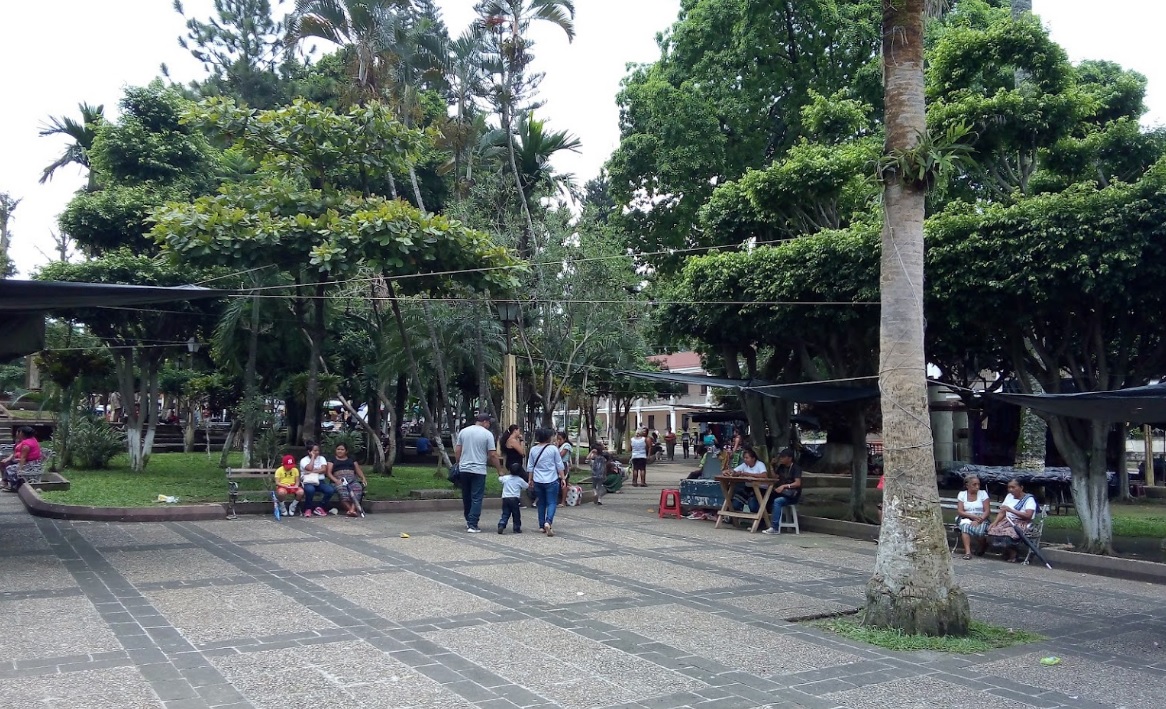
column 26, row 451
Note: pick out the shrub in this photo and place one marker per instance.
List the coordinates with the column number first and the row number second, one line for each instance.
column 92, row 443
column 353, row 440
column 268, row 445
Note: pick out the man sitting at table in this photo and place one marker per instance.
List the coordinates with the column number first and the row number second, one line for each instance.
column 742, row 493
column 789, row 489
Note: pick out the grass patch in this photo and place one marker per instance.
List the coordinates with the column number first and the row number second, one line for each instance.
column 195, row 478
column 1142, row 518
column 981, row 637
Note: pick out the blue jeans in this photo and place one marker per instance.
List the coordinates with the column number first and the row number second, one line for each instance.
column 779, row 503
column 547, row 497
column 326, row 489
column 511, row 508
column 473, row 490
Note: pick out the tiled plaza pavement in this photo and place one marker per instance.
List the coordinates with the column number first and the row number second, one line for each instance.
column 619, row 609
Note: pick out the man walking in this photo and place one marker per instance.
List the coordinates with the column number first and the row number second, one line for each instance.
column 670, row 444
column 685, row 441
column 474, row 451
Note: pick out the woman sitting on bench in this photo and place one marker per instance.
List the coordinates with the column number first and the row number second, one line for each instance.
column 1016, row 512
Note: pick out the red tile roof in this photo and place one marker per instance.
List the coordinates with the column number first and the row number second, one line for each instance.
column 680, row 360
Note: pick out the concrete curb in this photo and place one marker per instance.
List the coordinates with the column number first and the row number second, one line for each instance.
column 38, row 507
column 1110, row 566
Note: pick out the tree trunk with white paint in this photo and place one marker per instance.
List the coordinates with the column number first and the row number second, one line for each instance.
column 913, row 588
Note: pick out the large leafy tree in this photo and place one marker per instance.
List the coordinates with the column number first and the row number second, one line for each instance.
column 147, row 157
column 1064, row 288
column 311, row 214
column 727, row 95
column 139, row 341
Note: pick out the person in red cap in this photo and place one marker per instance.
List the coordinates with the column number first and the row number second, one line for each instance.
column 287, row 485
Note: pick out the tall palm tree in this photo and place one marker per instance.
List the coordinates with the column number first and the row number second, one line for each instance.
column 535, row 146
column 508, row 22
column 82, row 134
column 913, row 587
column 361, row 24
column 466, row 80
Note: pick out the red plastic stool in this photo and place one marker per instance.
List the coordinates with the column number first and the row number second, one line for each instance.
column 670, row 503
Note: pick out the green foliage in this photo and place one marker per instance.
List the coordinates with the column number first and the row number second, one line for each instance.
column 352, row 440
column 92, row 442
column 195, row 478
column 64, row 367
column 932, row 158
column 981, row 637
column 728, row 94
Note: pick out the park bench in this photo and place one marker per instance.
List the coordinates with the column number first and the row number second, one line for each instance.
column 1034, row 531
column 235, row 475
column 32, row 472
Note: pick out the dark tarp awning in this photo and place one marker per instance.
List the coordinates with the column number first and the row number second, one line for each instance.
column 732, row 416
column 23, row 305
column 42, row 296
column 1144, row 404
column 802, row 392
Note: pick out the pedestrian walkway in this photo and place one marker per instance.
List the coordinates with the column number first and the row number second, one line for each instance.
column 619, row 609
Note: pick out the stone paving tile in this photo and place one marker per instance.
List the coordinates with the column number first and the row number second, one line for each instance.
column 1144, row 646
column 205, row 615
column 435, row 549
column 156, row 566
column 52, row 627
column 33, row 573
column 540, row 658
column 921, row 693
column 95, row 689
column 536, row 581
column 790, row 605
column 623, row 538
column 733, row 643
column 661, row 573
column 255, row 528
column 314, row 556
column 777, row 569
column 17, row 543
column 105, row 534
column 1079, row 677
column 324, row 674
column 403, row 596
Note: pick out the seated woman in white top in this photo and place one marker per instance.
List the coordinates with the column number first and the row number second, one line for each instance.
column 1017, row 509
column 743, row 494
column 972, row 510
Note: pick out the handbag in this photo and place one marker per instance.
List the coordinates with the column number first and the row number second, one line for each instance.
column 455, row 475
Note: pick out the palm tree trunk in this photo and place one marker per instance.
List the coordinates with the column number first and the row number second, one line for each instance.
column 1030, row 446
column 913, row 588
column 528, row 223
column 416, row 189
column 250, row 387
column 315, row 334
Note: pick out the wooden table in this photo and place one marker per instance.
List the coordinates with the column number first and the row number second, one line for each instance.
column 762, row 486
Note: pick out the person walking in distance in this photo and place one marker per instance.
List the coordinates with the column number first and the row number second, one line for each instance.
column 670, row 444
column 547, row 474
column 640, row 458
column 474, row 452
column 685, row 442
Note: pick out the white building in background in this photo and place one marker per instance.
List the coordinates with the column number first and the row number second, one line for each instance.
column 673, row 412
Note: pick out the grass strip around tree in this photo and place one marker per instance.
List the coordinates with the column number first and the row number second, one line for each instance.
column 981, row 637
column 196, row 478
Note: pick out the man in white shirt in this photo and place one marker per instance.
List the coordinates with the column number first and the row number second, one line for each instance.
column 474, row 452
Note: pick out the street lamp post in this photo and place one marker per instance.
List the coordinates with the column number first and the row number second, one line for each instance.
column 508, row 313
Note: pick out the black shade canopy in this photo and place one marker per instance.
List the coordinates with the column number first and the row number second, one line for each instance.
column 1144, row 404
column 802, row 392
column 42, row 296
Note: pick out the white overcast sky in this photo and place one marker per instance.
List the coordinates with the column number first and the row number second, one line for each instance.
column 56, row 54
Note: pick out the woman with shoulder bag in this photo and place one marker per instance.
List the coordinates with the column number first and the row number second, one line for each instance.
column 546, row 473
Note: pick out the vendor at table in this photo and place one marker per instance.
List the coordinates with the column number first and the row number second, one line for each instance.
column 743, row 494
column 788, row 490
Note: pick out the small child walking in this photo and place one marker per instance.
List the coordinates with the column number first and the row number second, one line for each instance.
column 599, row 463
column 512, row 487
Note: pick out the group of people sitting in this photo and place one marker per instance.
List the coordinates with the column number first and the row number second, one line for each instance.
column 739, row 458
column 973, row 515
column 296, row 487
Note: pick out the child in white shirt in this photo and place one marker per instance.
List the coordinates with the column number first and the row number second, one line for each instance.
column 512, row 487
